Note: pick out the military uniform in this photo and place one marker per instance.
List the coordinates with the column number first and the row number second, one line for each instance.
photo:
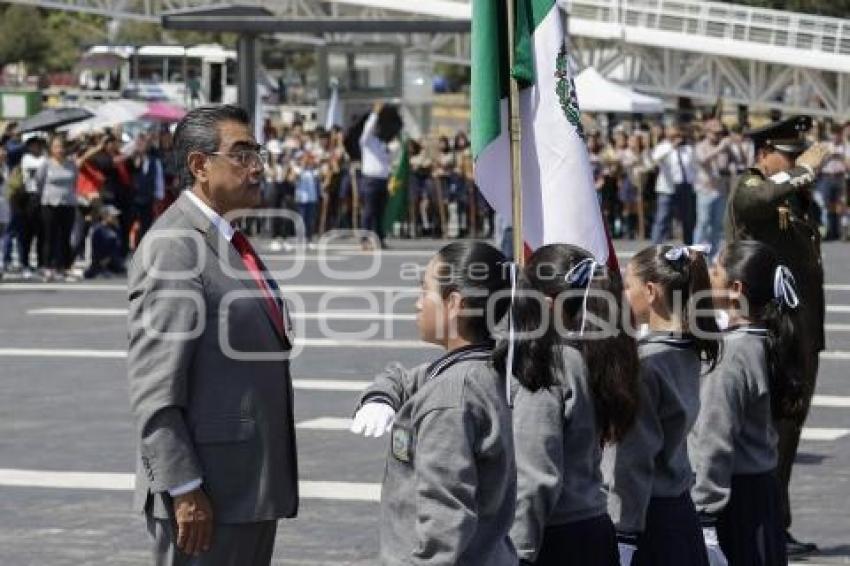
column 775, row 211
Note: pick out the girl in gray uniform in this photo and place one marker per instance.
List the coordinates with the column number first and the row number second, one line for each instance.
column 574, row 388
column 733, row 445
column 449, row 489
column 647, row 474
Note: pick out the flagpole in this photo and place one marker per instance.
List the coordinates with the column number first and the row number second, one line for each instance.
column 515, row 132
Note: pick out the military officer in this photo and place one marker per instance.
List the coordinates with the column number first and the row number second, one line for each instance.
column 771, row 203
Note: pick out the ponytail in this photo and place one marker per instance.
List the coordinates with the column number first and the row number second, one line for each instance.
column 788, row 389
column 534, row 340
column 565, row 274
column 613, row 366
column 772, row 300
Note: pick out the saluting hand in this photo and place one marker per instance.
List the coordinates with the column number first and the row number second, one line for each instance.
column 814, row 156
column 194, row 516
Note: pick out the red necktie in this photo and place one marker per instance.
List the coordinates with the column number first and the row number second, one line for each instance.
column 255, row 266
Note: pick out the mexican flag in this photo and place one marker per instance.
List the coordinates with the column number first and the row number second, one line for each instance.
column 558, row 195
column 396, row 210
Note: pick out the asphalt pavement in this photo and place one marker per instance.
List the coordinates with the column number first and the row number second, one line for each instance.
column 67, row 446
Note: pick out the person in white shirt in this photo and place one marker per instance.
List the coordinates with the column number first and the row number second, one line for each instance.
column 713, row 179
column 676, row 174
column 375, row 165
column 32, row 229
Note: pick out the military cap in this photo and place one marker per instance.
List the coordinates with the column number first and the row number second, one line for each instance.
column 787, row 136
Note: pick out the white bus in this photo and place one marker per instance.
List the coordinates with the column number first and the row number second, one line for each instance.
column 162, row 72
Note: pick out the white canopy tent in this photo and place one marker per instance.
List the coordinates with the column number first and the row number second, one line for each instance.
column 598, row 94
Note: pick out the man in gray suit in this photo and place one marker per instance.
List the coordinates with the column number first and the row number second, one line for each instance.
column 208, row 362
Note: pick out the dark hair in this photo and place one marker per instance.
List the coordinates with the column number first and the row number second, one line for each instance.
column 198, row 131
column 612, row 361
column 461, row 141
column 477, row 271
column 754, row 265
column 685, row 283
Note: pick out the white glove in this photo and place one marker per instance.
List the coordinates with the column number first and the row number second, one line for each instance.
column 712, row 547
column 373, row 419
column 627, row 552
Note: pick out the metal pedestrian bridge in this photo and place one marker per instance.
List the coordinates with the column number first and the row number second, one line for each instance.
column 765, row 59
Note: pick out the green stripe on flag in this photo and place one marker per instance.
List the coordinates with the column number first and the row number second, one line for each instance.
column 490, row 61
column 396, row 209
column 489, row 71
column 529, row 14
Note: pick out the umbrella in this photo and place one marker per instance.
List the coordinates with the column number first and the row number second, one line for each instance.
column 52, row 118
column 107, row 115
column 164, row 112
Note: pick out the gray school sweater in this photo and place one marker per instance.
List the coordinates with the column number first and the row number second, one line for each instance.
column 558, row 453
column 652, row 459
column 734, row 432
column 449, row 488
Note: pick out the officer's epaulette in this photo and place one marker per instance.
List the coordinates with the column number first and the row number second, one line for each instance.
column 753, row 178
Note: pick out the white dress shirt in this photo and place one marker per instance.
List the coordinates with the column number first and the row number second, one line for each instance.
column 375, row 160
column 217, row 220
column 676, row 165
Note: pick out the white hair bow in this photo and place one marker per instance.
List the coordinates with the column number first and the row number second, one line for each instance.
column 678, row 252
column 784, row 287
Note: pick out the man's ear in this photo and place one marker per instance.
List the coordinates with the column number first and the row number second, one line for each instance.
column 197, row 163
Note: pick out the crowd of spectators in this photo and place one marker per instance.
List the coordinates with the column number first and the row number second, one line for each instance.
column 93, row 198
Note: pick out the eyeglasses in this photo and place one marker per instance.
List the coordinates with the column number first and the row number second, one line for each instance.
column 247, row 157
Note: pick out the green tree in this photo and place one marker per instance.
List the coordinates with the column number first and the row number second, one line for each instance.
column 23, row 36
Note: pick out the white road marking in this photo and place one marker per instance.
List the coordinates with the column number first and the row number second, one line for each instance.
column 305, row 342
column 390, row 253
column 301, row 257
column 332, row 490
column 67, row 311
column 835, row 401
column 325, row 423
column 838, row 308
column 61, row 353
column 285, row 288
column 71, row 287
column 343, row 424
column 328, row 315
column 340, row 385
column 836, row 287
column 831, row 327
column 824, row 434
column 835, row 355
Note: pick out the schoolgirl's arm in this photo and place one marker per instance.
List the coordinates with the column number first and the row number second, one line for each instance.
column 538, row 419
column 629, row 465
column 446, row 485
column 712, row 445
column 392, row 386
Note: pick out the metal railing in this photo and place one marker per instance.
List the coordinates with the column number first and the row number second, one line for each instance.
column 721, row 21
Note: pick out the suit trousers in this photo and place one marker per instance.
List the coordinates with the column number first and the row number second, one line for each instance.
column 680, row 205
column 243, row 544
column 789, row 431
column 375, row 197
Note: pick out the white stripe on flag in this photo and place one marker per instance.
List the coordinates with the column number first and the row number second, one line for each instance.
column 559, row 199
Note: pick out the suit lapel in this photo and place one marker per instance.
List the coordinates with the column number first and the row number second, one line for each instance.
column 235, row 267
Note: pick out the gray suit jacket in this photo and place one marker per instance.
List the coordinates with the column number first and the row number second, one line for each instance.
column 209, row 376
